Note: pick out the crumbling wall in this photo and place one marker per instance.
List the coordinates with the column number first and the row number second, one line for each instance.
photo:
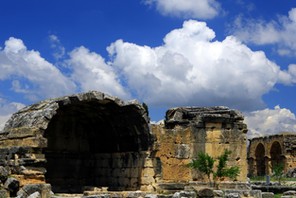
column 190, row 130
column 93, row 139
column 275, row 149
column 62, row 141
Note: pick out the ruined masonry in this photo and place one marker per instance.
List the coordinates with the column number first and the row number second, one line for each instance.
column 93, row 139
column 266, row 152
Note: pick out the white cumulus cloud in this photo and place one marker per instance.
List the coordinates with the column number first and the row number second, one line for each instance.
column 192, row 68
column 7, row 109
column 31, row 74
column 57, row 46
column 91, row 72
column 201, row 9
column 280, row 31
column 288, row 77
column 270, row 121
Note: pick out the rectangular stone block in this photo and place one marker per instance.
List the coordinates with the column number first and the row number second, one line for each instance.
column 182, row 151
column 146, row 172
column 147, row 180
column 148, row 163
column 267, row 195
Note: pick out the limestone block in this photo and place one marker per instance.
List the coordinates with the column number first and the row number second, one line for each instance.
column 175, row 169
column 147, row 180
column 182, row 151
column 23, row 132
column 205, row 192
column 151, row 196
column 12, row 185
column 233, row 195
column 135, row 194
column 148, row 163
column 146, row 172
column 33, row 171
column 3, row 173
column 166, row 149
column 30, row 179
column 267, row 195
column 184, row 194
column 4, row 193
column 290, row 192
column 218, row 193
column 35, row 195
column 147, row 188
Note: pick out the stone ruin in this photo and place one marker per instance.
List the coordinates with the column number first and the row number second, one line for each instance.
column 266, row 152
column 92, row 139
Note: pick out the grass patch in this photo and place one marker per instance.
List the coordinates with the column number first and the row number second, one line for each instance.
column 278, row 195
column 263, row 178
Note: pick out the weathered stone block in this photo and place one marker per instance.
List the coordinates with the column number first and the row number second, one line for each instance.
column 146, row 172
column 182, row 151
column 233, row 195
column 290, row 192
column 148, row 163
column 218, row 193
column 185, row 194
column 135, row 194
column 151, row 196
column 205, row 192
column 4, row 193
column 12, row 185
column 267, row 195
column 3, row 173
column 35, row 195
column 147, row 180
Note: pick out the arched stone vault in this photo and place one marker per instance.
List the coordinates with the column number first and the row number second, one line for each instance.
column 80, row 136
column 260, row 160
column 278, row 149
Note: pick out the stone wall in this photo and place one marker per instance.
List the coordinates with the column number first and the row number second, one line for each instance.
column 93, row 139
column 265, row 152
column 188, row 131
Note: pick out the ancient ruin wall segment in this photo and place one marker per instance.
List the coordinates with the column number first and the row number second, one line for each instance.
column 105, row 141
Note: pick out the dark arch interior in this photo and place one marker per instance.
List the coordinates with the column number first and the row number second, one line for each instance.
column 276, row 154
column 260, row 160
column 96, row 143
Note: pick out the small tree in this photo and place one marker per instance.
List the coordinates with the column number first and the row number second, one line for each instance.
column 222, row 170
column 278, row 171
column 205, row 164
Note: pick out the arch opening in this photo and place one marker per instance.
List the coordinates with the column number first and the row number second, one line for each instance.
column 260, row 160
column 276, row 154
column 96, row 143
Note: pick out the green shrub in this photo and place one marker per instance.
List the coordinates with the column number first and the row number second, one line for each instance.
column 205, row 164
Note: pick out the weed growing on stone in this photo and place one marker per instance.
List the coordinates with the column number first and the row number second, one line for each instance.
column 205, row 164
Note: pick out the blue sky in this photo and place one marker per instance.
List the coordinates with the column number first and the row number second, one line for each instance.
column 165, row 53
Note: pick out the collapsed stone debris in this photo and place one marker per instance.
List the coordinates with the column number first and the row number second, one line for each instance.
column 95, row 140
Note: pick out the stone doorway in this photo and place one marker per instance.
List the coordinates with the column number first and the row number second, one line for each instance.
column 276, row 154
column 96, row 143
column 260, row 160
